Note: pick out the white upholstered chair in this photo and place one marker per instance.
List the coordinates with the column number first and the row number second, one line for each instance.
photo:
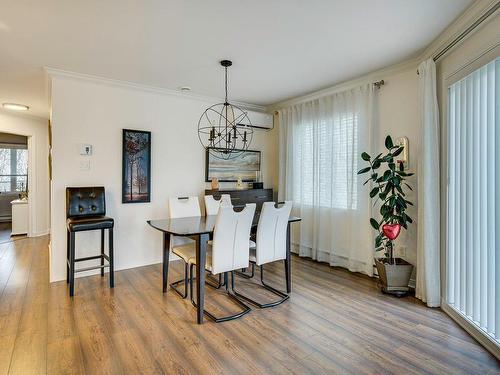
column 228, row 252
column 270, row 245
column 183, row 247
column 212, row 205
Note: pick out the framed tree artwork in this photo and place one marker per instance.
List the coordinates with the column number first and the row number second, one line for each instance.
column 136, row 172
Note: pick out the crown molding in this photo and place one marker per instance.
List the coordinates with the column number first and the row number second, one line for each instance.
column 59, row 73
column 349, row 84
column 469, row 16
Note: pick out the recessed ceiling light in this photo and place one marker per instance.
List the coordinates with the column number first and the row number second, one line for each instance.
column 185, row 88
column 15, row 106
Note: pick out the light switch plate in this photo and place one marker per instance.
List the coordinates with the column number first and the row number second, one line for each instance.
column 85, row 149
column 84, row 165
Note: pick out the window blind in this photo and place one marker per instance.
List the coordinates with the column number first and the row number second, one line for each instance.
column 327, row 154
column 473, row 225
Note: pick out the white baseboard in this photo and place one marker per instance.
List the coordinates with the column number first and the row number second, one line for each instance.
column 41, row 233
column 172, row 258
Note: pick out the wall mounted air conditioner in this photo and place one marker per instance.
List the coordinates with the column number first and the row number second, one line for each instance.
column 260, row 120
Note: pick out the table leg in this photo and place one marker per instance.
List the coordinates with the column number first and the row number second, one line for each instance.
column 288, row 261
column 201, row 252
column 166, row 256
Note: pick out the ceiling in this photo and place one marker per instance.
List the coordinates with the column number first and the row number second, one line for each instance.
column 280, row 48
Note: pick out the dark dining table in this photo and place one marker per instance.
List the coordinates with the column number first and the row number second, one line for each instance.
column 200, row 228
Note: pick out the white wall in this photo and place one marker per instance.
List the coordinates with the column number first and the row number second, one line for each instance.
column 36, row 130
column 398, row 116
column 91, row 112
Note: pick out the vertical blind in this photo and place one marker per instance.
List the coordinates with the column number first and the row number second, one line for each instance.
column 473, row 194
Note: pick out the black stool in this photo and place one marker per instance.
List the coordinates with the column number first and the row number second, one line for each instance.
column 86, row 210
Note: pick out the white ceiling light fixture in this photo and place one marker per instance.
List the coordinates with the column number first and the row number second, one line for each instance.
column 15, row 106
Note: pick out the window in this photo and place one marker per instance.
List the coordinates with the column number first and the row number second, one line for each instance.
column 327, row 155
column 473, row 225
column 13, row 168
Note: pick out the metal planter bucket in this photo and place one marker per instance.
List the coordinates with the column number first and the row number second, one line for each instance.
column 394, row 277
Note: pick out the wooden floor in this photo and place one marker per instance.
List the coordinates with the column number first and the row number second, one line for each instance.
column 5, row 233
column 334, row 322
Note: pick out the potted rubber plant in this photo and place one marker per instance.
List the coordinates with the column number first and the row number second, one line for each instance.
column 388, row 186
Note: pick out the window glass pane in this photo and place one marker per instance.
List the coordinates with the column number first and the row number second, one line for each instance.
column 326, row 155
column 22, row 161
column 5, row 163
column 13, row 169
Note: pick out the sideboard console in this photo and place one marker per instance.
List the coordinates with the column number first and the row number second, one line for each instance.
column 241, row 197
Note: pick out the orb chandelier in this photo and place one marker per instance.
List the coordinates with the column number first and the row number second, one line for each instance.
column 225, row 129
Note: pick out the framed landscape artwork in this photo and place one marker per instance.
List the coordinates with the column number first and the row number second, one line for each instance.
column 136, row 172
column 246, row 166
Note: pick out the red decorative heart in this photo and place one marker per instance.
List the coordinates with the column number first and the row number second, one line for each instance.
column 391, row 231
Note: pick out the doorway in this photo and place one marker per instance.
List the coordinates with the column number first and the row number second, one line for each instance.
column 14, row 212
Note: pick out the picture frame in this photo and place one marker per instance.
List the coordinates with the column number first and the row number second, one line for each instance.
column 247, row 166
column 136, row 166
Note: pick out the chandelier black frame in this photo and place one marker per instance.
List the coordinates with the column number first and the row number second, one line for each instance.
column 225, row 129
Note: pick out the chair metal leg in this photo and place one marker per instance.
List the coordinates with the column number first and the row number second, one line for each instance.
column 71, row 264
column 209, row 281
column 185, row 280
column 67, row 257
column 215, row 284
column 111, row 261
column 246, row 309
column 242, row 273
column 283, row 296
column 102, row 252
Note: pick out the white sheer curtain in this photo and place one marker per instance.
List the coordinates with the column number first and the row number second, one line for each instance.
column 320, row 146
column 428, row 285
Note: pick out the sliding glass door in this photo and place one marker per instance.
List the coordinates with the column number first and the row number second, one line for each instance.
column 473, row 197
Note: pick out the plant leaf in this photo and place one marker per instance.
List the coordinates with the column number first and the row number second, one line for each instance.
column 374, row 223
column 365, row 156
column 388, row 142
column 374, row 192
column 398, row 151
column 364, row 170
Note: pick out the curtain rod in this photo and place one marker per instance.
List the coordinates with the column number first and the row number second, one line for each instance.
column 467, row 31
column 379, row 84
